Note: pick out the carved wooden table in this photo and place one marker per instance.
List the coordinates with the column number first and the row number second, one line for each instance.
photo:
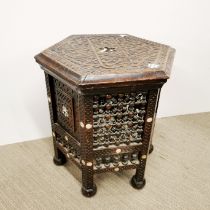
column 103, row 93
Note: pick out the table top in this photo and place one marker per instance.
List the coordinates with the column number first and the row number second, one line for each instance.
column 107, row 58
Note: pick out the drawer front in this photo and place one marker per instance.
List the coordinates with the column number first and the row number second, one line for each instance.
column 65, row 107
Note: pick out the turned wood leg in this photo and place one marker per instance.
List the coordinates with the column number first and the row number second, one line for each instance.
column 59, row 158
column 88, row 187
column 138, row 180
column 151, row 148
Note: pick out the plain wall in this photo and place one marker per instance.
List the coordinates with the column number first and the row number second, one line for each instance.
column 28, row 27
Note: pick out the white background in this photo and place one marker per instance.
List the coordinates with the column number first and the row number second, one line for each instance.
column 27, row 27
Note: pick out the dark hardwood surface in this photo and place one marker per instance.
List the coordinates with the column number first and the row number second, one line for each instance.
column 103, row 93
column 89, row 60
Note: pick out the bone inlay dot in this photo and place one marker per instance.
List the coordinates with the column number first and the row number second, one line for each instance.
column 149, row 119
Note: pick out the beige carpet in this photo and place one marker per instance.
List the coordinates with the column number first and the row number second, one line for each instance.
column 178, row 174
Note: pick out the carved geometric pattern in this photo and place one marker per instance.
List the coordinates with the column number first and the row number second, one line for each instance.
column 116, row 160
column 152, row 98
column 152, row 103
column 64, row 106
column 86, row 137
column 118, row 119
column 100, row 164
column 118, row 122
column 154, row 117
column 109, row 54
column 68, row 147
column 141, row 170
column 49, row 95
